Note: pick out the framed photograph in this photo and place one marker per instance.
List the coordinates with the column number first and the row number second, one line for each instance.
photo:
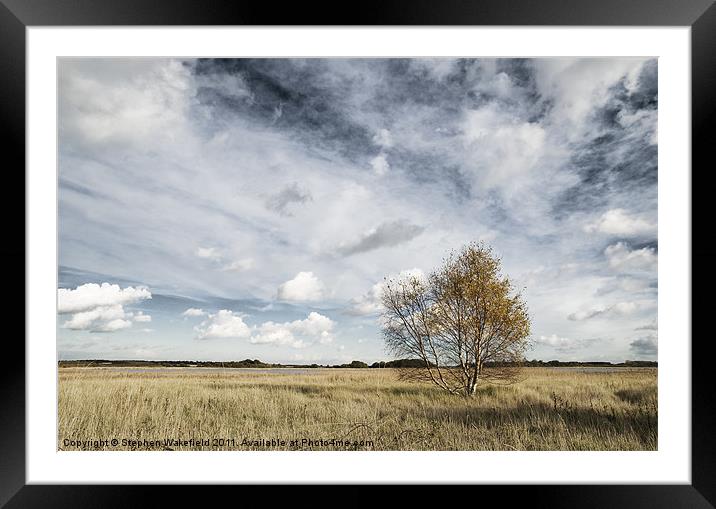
column 450, row 245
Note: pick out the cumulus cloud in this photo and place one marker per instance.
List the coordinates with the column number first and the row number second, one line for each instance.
column 92, row 295
column 223, row 324
column 387, row 234
column 315, row 327
column 292, row 193
column 369, row 303
column 194, row 312
column 302, row 288
column 618, row 309
column 620, row 222
column 100, row 308
column 622, row 258
column 99, row 319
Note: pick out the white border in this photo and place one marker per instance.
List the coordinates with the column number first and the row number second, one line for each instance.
column 671, row 463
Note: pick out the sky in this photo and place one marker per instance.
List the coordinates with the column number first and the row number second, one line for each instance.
column 224, row 209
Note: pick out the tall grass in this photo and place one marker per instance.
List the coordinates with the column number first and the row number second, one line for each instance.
column 369, row 409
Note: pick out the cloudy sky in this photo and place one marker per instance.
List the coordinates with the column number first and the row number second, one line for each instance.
column 230, row 209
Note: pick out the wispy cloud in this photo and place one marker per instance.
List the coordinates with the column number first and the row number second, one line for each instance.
column 614, row 310
column 292, row 193
column 564, row 345
column 386, row 234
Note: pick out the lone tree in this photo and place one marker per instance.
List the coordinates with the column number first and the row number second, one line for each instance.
column 459, row 319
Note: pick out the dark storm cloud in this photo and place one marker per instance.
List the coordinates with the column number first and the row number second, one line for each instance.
column 620, row 160
column 644, row 346
column 289, row 95
column 651, row 244
column 313, row 101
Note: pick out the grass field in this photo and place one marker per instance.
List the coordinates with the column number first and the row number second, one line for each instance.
column 363, row 409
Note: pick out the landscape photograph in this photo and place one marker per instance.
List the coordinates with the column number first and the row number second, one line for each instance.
column 357, row 254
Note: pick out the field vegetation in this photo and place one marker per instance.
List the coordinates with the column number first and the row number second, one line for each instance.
column 362, row 409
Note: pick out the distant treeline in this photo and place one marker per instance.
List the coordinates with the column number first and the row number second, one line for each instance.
column 595, row 364
column 399, row 363
column 246, row 363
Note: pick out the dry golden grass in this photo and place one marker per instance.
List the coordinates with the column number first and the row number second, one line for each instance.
column 370, row 409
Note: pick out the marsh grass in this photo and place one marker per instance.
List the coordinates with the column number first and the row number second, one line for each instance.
column 550, row 409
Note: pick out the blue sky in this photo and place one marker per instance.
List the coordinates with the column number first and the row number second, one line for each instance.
column 226, row 209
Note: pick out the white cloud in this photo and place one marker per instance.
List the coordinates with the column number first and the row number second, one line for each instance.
column 370, row 302
column 563, row 344
column 224, row 324
column 99, row 319
column 194, row 312
column 500, row 85
column 141, row 317
column 208, row 253
column 504, row 148
column 621, row 258
column 620, row 222
column 380, row 164
column 315, row 327
column 92, row 295
column 625, row 284
column 383, row 138
column 276, row 334
column 100, row 308
column 215, row 255
column 240, row 265
column 302, row 288
column 124, row 102
column 578, row 86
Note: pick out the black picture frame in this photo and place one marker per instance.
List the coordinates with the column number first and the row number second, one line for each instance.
column 700, row 15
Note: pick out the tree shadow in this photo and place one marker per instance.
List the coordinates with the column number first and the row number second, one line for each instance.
column 542, row 417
